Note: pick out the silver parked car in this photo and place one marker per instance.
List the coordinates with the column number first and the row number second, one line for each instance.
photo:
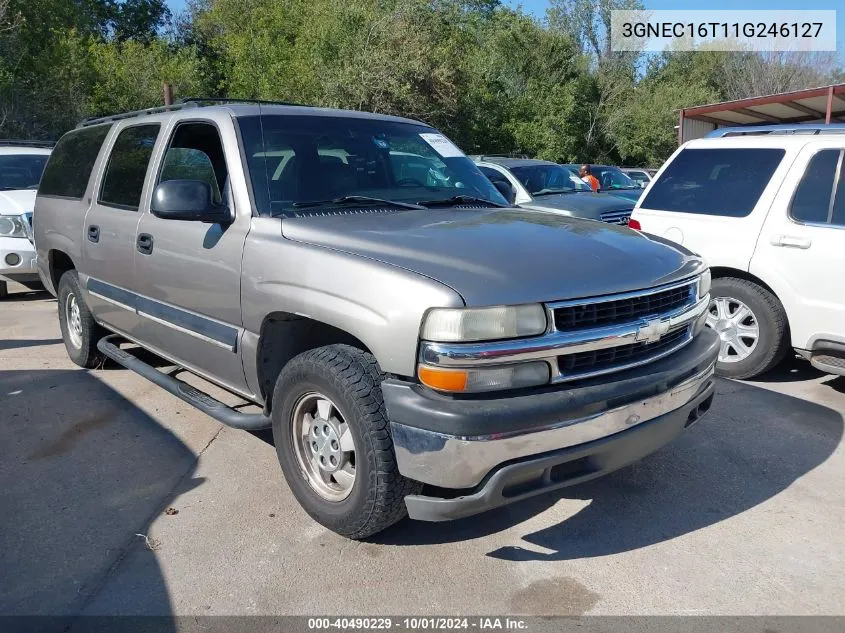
column 416, row 346
column 545, row 186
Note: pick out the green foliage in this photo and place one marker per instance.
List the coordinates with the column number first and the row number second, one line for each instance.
column 493, row 78
column 129, row 75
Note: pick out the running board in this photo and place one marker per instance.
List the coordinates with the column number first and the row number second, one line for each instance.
column 825, row 361
column 182, row 390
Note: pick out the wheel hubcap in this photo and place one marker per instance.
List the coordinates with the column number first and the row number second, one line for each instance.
column 324, row 446
column 736, row 326
column 74, row 320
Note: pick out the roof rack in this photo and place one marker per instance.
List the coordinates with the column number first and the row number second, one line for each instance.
column 213, row 100
column 486, row 156
column 26, row 143
column 797, row 128
column 189, row 102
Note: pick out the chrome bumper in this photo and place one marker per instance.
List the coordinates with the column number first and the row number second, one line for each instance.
column 452, row 461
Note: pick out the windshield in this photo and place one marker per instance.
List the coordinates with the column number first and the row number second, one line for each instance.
column 300, row 164
column 21, row 171
column 613, row 178
column 541, row 180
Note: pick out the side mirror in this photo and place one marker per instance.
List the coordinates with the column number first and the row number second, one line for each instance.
column 188, row 200
column 506, row 189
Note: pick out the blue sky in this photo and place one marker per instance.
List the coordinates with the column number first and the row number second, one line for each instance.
column 538, row 7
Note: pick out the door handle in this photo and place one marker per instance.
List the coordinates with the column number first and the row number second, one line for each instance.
column 144, row 243
column 791, row 241
column 93, row 233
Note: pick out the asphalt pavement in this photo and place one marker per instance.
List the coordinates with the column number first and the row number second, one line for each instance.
column 117, row 498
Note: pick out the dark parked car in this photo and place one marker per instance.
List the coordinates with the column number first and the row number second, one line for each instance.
column 544, row 186
column 612, row 180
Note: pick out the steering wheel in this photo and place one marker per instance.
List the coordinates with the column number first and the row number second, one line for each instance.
column 409, row 182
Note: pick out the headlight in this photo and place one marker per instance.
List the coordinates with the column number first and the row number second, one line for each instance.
column 704, row 284
column 485, row 379
column 12, row 226
column 447, row 325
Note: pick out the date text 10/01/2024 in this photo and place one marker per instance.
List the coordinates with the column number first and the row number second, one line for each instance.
column 419, row 623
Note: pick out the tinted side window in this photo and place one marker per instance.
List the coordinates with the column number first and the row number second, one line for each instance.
column 838, row 217
column 724, row 182
column 492, row 174
column 71, row 162
column 811, row 202
column 127, row 168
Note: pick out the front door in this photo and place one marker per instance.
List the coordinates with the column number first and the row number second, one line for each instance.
column 111, row 226
column 189, row 272
column 803, row 244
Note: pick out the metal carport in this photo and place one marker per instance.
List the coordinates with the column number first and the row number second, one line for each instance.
column 814, row 105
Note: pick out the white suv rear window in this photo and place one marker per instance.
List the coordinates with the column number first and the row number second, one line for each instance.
column 726, row 181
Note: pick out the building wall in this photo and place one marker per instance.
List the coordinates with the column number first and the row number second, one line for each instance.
column 693, row 129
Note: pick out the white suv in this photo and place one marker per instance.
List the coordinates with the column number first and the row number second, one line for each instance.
column 766, row 208
column 21, row 165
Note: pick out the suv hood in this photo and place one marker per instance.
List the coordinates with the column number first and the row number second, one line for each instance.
column 17, row 201
column 583, row 204
column 502, row 256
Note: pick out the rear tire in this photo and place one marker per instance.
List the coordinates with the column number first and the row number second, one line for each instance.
column 740, row 307
column 80, row 331
column 328, row 407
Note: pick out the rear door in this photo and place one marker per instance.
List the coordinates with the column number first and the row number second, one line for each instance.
column 713, row 199
column 801, row 251
column 111, row 226
column 189, row 272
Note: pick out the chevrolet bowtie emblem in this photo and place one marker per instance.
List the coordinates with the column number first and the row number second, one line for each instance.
column 651, row 331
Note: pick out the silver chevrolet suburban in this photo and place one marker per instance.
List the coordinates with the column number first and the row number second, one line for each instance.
column 416, row 346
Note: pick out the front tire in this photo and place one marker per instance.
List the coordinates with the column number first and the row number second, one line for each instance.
column 334, row 444
column 751, row 324
column 80, row 331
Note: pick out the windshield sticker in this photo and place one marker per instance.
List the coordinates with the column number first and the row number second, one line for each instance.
column 442, row 145
column 381, row 143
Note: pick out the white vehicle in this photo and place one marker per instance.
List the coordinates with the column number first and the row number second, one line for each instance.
column 639, row 176
column 766, row 208
column 21, row 164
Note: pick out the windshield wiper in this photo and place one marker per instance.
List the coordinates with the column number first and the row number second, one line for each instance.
column 357, row 200
column 459, row 199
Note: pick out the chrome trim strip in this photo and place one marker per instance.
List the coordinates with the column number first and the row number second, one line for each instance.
column 462, row 462
column 110, row 300
column 551, row 345
column 560, row 377
column 198, row 326
column 179, row 328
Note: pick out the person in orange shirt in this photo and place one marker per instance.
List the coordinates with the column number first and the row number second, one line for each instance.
column 587, row 176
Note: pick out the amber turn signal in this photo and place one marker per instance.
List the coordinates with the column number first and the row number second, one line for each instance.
column 443, row 379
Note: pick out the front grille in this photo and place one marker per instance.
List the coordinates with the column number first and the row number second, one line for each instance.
column 617, row 217
column 614, row 358
column 618, row 311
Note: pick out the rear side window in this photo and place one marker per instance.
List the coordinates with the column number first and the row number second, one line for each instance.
column 814, row 199
column 724, row 182
column 127, row 168
column 71, row 162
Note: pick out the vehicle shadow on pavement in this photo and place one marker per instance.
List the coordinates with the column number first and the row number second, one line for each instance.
column 83, row 472
column 6, row 344
column 28, row 295
column 734, row 459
